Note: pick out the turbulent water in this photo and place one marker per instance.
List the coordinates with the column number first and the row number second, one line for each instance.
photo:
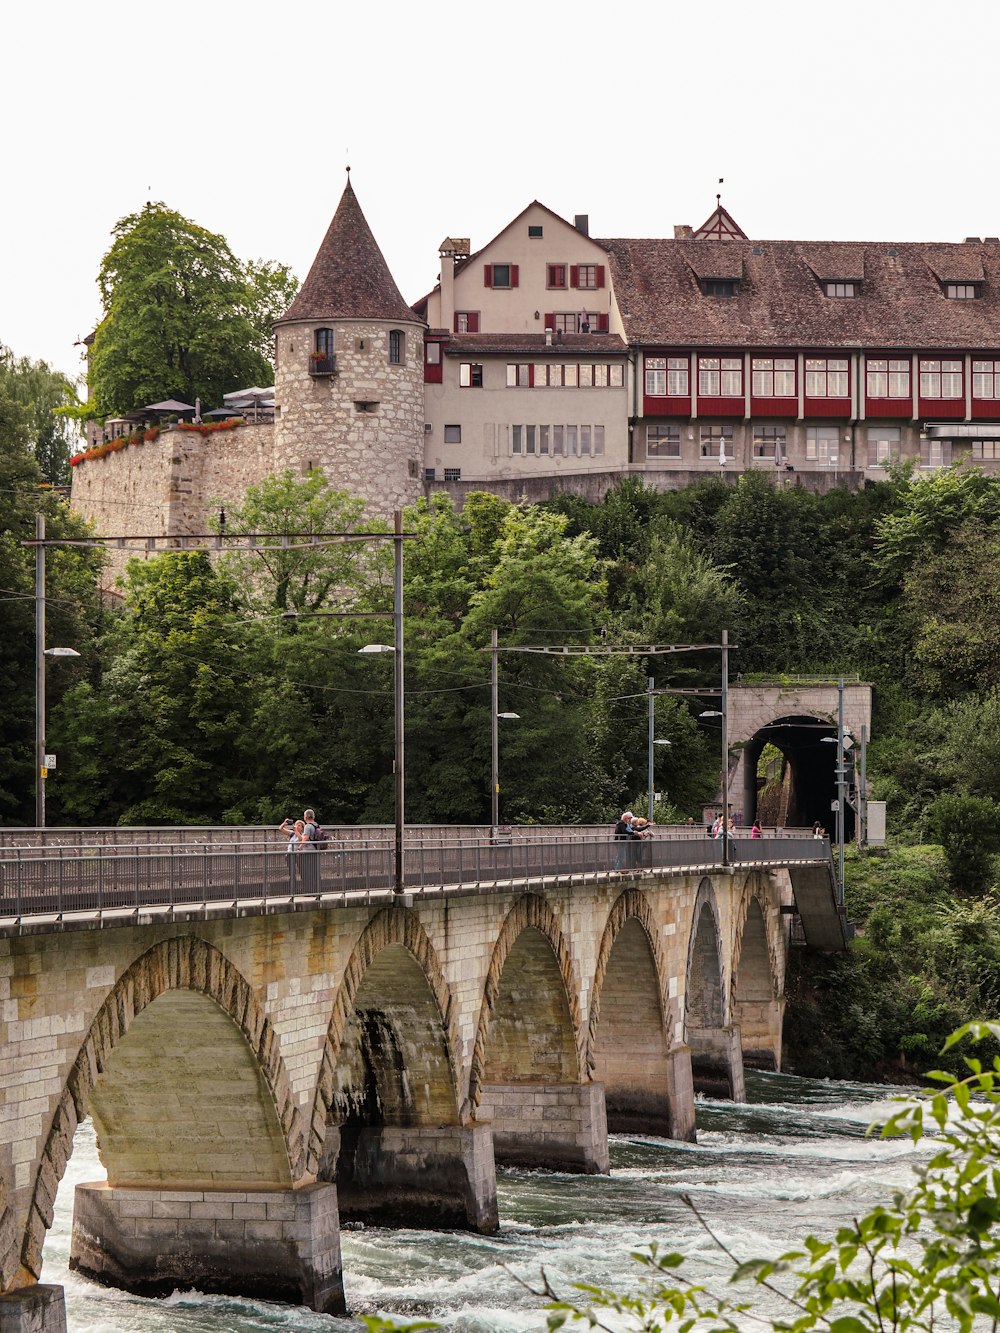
column 794, row 1159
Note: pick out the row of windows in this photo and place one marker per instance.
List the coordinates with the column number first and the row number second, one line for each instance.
column 542, row 375
column 569, row 441
column 825, row 377
column 823, row 443
column 558, row 277
column 559, row 321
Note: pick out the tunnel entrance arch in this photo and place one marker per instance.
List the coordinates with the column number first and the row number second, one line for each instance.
column 790, row 774
column 794, row 714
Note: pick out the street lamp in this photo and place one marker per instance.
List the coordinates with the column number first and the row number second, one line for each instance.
column 397, row 703
column 397, row 763
column 650, row 742
column 495, row 715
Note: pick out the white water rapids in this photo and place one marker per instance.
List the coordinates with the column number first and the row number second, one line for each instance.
column 793, row 1160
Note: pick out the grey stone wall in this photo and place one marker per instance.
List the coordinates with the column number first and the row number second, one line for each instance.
column 363, row 424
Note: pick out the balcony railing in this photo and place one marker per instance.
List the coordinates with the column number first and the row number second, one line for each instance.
column 322, row 365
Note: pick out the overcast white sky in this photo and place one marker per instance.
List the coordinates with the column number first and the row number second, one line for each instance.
column 873, row 120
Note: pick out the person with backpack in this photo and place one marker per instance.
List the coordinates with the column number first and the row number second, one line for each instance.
column 311, row 868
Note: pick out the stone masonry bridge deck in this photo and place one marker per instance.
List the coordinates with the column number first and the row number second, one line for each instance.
column 263, row 1056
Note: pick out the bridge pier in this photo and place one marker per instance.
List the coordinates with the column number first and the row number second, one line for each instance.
column 760, row 1025
column 653, row 1098
column 414, row 1175
column 717, row 1062
column 277, row 1244
column 558, row 1126
column 37, row 1309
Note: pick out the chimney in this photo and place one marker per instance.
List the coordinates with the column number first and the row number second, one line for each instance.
column 582, row 223
column 548, row 337
column 684, row 232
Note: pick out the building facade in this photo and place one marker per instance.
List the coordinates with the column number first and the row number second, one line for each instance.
column 551, row 361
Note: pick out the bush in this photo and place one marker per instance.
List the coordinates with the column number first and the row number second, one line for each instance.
column 968, row 827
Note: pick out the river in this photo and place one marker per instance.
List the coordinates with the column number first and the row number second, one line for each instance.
column 793, row 1159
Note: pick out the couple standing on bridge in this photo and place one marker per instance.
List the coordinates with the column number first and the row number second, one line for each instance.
column 628, row 831
column 304, row 838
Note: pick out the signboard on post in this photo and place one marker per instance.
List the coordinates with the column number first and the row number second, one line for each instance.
column 876, row 823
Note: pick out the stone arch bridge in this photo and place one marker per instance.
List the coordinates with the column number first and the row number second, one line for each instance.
column 262, row 1059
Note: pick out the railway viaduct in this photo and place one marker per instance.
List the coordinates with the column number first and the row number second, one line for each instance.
column 260, row 1066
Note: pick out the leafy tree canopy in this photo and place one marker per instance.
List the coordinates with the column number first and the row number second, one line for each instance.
column 44, row 427
column 183, row 317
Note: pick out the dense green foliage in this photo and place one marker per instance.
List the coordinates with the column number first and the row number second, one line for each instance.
column 73, row 611
column 183, row 317
column 925, row 956
column 45, row 425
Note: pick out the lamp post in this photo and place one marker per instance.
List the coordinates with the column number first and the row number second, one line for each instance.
column 723, row 712
column 650, row 742
column 495, row 716
column 840, row 775
column 397, row 710
column 41, row 652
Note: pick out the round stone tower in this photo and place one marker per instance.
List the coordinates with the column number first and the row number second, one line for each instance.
column 349, row 357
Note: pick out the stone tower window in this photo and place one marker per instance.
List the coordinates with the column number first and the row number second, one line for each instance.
column 396, row 345
column 324, row 342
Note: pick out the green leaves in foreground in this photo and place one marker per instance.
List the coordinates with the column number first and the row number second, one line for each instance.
column 928, row 1258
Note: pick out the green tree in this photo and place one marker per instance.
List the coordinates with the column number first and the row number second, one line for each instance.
column 175, row 701
column 299, row 577
column 72, row 610
column 49, row 432
column 968, row 828
column 182, row 316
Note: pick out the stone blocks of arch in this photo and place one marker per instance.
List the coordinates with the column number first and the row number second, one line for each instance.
column 405, row 1043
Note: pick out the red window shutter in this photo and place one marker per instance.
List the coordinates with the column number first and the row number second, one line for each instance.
column 487, row 275
column 513, row 275
column 600, row 275
column 550, row 322
column 602, row 321
column 531, row 376
column 574, row 275
column 473, row 322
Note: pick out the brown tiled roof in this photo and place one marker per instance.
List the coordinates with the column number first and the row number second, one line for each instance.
column 534, row 344
column 780, row 301
column 349, row 278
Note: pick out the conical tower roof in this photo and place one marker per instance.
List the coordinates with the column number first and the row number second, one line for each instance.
column 349, row 278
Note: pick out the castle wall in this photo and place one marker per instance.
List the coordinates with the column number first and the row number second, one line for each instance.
column 363, row 424
column 168, row 486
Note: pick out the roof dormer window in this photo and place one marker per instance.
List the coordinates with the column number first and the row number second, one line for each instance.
column 720, row 286
column 842, row 291
column 962, row 291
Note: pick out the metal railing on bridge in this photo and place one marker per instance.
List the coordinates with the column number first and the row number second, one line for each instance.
column 98, row 882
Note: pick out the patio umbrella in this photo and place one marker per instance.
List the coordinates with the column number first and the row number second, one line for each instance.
column 171, row 405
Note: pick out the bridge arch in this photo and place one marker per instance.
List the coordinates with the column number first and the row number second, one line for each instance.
column 632, row 1022
column 184, row 1002
column 716, row 1060
column 758, row 972
column 530, row 1023
column 393, row 1004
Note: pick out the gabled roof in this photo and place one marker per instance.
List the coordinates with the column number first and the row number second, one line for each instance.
column 720, row 225
column 349, row 278
column 779, row 301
